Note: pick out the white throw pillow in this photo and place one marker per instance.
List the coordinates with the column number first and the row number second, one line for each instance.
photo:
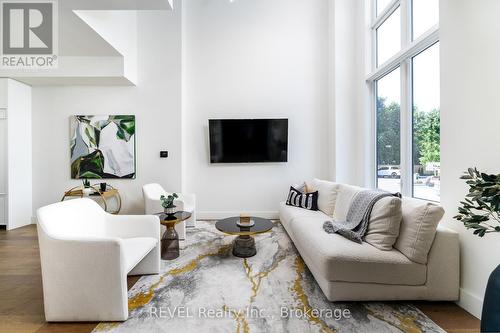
column 418, row 228
column 385, row 220
column 327, row 194
column 345, row 195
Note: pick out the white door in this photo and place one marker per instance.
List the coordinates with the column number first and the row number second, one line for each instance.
column 3, row 167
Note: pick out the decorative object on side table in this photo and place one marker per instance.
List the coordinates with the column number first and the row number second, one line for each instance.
column 168, row 203
column 480, row 211
column 244, row 244
column 245, row 221
column 87, row 190
column 170, row 248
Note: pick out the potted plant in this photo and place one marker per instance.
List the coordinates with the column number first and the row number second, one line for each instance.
column 87, row 190
column 480, row 212
column 167, row 203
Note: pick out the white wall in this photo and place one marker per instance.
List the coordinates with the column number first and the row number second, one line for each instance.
column 156, row 102
column 251, row 59
column 19, row 154
column 349, row 90
column 470, row 68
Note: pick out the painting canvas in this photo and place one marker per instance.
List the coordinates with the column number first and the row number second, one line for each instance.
column 103, row 147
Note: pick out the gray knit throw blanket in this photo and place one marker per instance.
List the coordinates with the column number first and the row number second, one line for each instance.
column 358, row 216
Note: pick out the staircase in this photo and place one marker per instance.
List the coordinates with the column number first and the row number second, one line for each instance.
column 97, row 44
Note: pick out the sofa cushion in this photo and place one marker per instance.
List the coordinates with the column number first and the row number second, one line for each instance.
column 327, row 194
column 339, row 259
column 385, row 220
column 289, row 213
column 345, row 195
column 418, row 228
column 299, row 199
column 135, row 249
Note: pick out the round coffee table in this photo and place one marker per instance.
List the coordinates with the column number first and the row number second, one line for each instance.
column 244, row 244
column 170, row 240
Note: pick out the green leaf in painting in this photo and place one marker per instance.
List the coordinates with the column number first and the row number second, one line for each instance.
column 126, row 126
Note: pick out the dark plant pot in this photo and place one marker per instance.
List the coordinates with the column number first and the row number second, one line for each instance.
column 490, row 320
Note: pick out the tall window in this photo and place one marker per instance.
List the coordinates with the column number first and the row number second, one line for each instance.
column 404, row 81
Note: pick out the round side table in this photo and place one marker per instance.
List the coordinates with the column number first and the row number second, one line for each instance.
column 244, row 244
column 103, row 197
column 170, row 239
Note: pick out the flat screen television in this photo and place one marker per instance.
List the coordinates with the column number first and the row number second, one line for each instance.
column 248, row 140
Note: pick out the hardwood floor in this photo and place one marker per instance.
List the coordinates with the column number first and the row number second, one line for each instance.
column 21, row 298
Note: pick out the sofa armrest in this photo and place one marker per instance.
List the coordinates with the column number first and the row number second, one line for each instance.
column 443, row 265
column 77, row 270
column 130, row 226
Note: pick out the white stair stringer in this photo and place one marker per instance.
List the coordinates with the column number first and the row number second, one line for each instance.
column 119, row 29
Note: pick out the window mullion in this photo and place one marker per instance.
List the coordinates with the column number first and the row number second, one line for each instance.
column 373, row 178
column 406, row 118
column 382, row 17
column 406, row 129
column 406, row 23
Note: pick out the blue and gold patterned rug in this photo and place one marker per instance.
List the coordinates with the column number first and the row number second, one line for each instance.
column 208, row 290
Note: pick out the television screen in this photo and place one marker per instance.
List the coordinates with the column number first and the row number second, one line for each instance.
column 248, row 140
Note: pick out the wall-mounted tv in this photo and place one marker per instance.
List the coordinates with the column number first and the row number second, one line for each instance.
column 248, row 140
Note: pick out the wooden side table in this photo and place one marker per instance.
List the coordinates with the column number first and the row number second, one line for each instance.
column 170, row 248
column 104, row 197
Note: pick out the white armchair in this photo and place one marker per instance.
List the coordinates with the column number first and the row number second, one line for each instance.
column 185, row 202
column 86, row 255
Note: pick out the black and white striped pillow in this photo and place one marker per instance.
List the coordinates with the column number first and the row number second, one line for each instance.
column 302, row 200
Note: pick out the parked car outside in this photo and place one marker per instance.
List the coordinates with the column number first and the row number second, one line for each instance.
column 389, row 172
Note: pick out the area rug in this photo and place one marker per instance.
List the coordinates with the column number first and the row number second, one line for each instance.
column 208, row 290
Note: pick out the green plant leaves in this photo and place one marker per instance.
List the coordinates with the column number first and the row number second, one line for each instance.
column 480, row 210
column 168, row 202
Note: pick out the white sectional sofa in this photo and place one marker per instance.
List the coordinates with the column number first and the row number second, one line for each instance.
column 423, row 263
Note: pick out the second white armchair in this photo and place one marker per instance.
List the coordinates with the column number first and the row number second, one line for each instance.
column 185, row 202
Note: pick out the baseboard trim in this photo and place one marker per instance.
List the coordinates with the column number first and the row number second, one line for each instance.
column 471, row 303
column 225, row 214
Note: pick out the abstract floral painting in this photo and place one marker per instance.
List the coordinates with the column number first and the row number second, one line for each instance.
column 103, row 147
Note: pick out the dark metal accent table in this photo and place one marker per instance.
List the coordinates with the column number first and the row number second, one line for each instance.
column 170, row 240
column 244, row 244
